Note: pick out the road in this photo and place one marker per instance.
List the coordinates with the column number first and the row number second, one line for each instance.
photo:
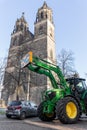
column 36, row 124
column 15, row 124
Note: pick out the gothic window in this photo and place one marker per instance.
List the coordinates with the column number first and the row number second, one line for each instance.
column 46, row 16
column 20, row 39
column 41, row 30
column 21, row 26
column 42, row 15
column 51, row 53
column 14, row 41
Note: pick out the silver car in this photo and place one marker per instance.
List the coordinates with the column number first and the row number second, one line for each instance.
column 21, row 109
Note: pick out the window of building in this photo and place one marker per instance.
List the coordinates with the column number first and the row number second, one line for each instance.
column 41, row 30
column 42, row 15
column 46, row 16
column 51, row 53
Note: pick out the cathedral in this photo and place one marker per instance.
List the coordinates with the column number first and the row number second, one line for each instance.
column 24, row 84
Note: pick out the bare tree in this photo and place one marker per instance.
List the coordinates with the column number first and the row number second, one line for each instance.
column 15, row 78
column 66, row 62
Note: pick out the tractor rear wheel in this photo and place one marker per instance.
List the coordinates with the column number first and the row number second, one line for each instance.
column 67, row 110
column 45, row 116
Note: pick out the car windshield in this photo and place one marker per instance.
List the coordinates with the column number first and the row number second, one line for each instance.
column 15, row 103
column 31, row 103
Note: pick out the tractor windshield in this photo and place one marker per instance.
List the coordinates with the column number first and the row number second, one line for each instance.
column 85, row 86
column 81, row 84
column 77, row 83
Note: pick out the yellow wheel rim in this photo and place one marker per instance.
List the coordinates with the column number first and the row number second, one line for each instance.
column 71, row 110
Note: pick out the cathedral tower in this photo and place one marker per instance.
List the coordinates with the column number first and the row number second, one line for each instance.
column 43, row 47
column 18, row 47
column 42, row 44
column 44, row 32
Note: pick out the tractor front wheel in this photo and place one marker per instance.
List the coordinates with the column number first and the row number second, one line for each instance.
column 45, row 116
column 67, row 110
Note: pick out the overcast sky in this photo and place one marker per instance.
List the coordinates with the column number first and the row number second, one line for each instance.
column 70, row 19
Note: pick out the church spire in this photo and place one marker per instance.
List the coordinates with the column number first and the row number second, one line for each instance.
column 20, row 25
column 44, row 13
column 21, row 32
column 45, row 4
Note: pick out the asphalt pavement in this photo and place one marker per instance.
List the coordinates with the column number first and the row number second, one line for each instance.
column 34, row 123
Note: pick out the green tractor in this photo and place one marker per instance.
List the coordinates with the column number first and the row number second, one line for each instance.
column 67, row 100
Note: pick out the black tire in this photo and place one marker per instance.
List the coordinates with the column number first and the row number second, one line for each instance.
column 8, row 116
column 45, row 116
column 22, row 116
column 68, row 110
column 59, row 107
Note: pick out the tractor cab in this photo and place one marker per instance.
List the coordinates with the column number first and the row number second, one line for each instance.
column 77, row 84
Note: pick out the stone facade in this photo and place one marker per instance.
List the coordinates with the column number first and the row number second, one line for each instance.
column 24, row 84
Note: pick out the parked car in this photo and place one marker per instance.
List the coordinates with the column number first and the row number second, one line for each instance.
column 21, row 109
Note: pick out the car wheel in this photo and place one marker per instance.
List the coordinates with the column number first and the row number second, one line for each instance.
column 22, row 116
column 8, row 116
